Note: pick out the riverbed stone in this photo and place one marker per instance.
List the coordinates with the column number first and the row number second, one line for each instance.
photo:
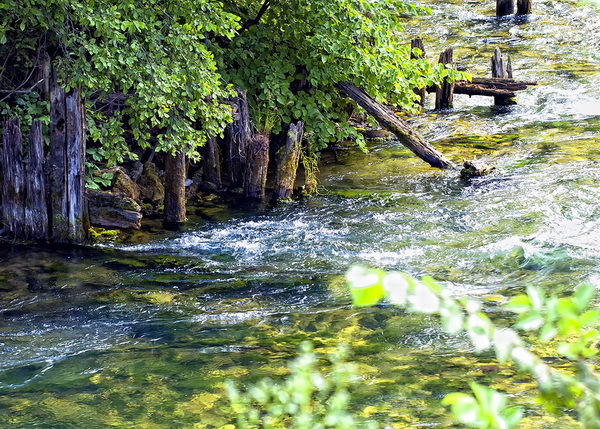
column 113, row 210
column 123, row 184
column 152, row 189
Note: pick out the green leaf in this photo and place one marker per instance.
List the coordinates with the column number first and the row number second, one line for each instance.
column 519, row 304
column 464, row 407
column 365, row 285
column 536, row 295
column 583, row 295
column 531, row 322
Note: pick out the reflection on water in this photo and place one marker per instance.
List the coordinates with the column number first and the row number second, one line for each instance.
column 143, row 336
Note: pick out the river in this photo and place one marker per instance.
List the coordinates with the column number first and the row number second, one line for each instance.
column 143, row 336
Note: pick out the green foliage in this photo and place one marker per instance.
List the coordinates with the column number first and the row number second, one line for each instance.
column 565, row 321
column 307, row 399
column 290, row 60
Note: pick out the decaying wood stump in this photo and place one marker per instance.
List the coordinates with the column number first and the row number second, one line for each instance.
column 237, row 137
column 211, row 163
column 36, row 209
column 257, row 161
column 524, row 7
column 14, row 189
column 65, row 167
column 505, row 7
column 499, row 70
column 417, row 43
column 175, row 174
column 387, row 118
column 444, row 95
column 288, row 158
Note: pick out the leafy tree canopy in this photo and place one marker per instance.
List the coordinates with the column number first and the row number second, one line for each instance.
column 162, row 70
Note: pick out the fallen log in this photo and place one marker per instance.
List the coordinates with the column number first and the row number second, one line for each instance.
column 387, row 118
column 489, row 86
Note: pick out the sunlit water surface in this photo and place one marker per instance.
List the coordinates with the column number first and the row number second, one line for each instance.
column 144, row 336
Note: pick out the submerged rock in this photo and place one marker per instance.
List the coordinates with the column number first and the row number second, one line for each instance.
column 111, row 210
column 475, row 168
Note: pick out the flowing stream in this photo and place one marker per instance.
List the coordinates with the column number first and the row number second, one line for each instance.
column 143, row 336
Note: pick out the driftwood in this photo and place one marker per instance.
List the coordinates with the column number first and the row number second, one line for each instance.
column 288, row 158
column 386, row 117
column 491, row 86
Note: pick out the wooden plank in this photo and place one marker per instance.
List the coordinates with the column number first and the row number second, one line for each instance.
column 36, row 209
column 13, row 190
column 288, row 158
column 75, row 168
column 386, row 117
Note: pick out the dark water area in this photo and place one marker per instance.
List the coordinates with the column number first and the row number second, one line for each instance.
column 143, row 336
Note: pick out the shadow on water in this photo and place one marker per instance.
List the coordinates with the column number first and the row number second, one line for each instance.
column 145, row 334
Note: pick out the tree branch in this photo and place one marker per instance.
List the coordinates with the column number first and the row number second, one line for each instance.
column 250, row 22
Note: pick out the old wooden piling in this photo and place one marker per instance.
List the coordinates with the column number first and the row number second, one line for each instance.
column 257, row 162
column 502, row 71
column 237, row 137
column 211, row 163
column 417, row 51
column 444, row 95
column 505, row 7
column 65, row 168
column 288, row 158
column 175, row 174
column 386, row 117
column 524, row 7
column 14, row 189
column 36, row 209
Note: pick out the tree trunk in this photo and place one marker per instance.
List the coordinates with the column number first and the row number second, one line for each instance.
column 524, row 7
column 418, row 44
column 500, row 71
column 444, row 96
column 257, row 161
column 36, row 209
column 14, row 189
column 237, row 137
column 386, row 117
column 211, row 163
column 288, row 158
column 505, row 7
column 175, row 174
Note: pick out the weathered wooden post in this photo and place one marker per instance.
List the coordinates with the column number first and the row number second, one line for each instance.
column 505, row 7
column 65, row 167
column 524, row 7
column 14, row 190
column 211, row 163
column 175, row 174
column 257, row 161
column 237, row 136
column 417, row 43
column 500, row 71
column 36, row 209
column 288, row 158
column 444, row 95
